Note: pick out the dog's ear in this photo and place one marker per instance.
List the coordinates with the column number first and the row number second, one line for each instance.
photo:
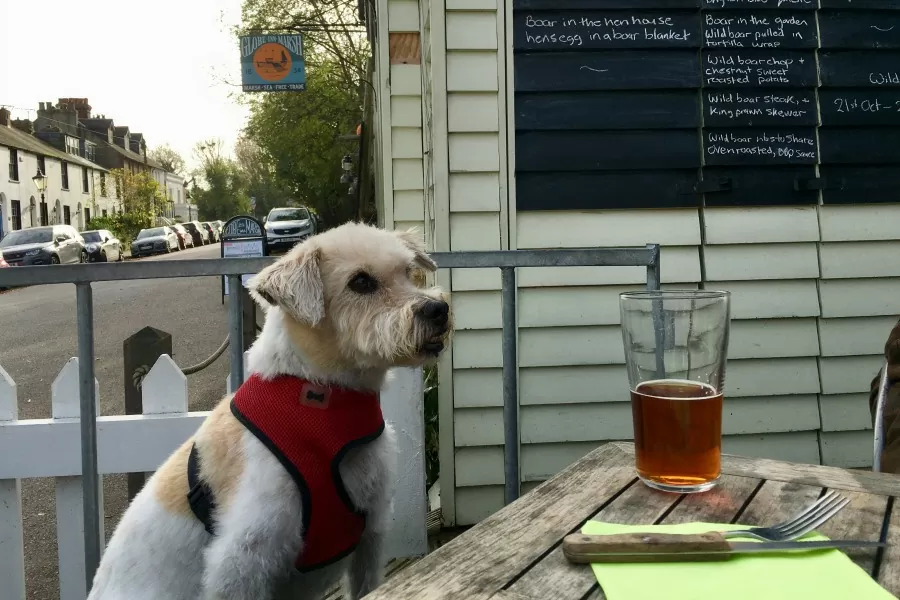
column 414, row 241
column 294, row 283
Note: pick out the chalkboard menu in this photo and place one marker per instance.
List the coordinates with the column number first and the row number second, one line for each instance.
column 674, row 103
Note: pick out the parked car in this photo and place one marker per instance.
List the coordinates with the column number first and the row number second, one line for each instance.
column 185, row 239
column 212, row 230
column 287, row 226
column 198, row 233
column 102, row 246
column 3, row 265
column 43, row 246
column 154, row 240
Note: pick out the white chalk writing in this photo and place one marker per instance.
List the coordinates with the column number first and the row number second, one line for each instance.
column 738, row 69
column 754, row 31
column 788, row 146
column 627, row 29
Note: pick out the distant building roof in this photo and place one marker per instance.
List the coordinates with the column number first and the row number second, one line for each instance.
column 14, row 138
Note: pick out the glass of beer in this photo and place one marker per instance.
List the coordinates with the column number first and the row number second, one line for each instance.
column 676, row 343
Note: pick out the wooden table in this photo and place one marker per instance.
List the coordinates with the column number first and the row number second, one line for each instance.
column 515, row 554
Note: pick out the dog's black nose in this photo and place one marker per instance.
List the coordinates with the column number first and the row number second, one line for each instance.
column 435, row 310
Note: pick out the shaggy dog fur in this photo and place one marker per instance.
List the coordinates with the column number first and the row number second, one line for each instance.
column 342, row 308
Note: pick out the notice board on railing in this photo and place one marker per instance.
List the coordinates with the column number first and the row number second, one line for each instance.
column 667, row 103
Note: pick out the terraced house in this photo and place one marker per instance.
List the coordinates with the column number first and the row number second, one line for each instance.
column 73, row 184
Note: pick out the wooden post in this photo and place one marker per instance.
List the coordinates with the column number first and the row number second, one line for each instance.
column 64, row 398
column 141, row 351
column 12, row 546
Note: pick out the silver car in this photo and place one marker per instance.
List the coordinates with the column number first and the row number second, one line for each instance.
column 154, row 240
column 288, row 226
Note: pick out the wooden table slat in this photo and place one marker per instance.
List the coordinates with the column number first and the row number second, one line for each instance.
column 556, row 577
column 479, row 563
column 860, row 520
column 720, row 505
column 889, row 573
column 515, row 554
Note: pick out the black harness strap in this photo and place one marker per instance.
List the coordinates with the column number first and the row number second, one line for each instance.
column 199, row 496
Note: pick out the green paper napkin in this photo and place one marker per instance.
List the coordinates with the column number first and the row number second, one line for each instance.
column 826, row 575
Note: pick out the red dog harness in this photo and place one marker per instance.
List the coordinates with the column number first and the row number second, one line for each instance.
column 309, row 428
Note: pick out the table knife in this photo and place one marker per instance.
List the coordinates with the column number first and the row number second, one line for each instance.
column 670, row 547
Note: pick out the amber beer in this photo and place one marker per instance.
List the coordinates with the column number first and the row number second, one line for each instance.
column 677, row 432
column 675, row 352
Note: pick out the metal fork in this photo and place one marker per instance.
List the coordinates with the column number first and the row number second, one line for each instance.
column 826, row 507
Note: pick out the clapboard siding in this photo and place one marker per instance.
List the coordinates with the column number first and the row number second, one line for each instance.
column 860, row 297
column 754, row 225
column 681, row 267
column 771, row 299
column 859, row 223
column 854, row 336
column 745, row 262
column 845, row 412
column 607, row 228
column 847, row 449
column 851, row 260
column 849, row 374
column 815, row 288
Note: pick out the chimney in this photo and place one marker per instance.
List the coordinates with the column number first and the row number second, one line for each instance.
column 80, row 105
column 4, row 117
column 25, row 125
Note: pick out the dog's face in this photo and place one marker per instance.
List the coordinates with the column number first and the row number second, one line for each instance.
column 355, row 297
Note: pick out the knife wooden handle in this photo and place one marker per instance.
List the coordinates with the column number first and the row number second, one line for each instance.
column 645, row 547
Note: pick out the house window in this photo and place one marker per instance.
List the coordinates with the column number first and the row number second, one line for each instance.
column 72, row 146
column 103, row 184
column 85, row 185
column 45, row 215
column 16, row 214
column 67, row 215
column 13, row 164
column 105, row 213
column 42, row 165
column 118, row 188
column 87, row 217
column 64, row 172
column 90, row 151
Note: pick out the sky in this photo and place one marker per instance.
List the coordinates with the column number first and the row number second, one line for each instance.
column 166, row 68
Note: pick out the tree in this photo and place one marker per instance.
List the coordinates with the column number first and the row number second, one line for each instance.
column 302, row 134
column 224, row 190
column 169, row 158
column 139, row 194
column 263, row 186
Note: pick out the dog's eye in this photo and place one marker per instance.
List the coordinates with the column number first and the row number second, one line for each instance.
column 363, row 283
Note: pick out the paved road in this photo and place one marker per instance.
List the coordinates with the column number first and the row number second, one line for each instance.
column 39, row 336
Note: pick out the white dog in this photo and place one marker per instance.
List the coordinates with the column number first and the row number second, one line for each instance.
column 290, row 478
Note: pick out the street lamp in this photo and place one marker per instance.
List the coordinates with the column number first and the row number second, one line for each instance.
column 40, row 182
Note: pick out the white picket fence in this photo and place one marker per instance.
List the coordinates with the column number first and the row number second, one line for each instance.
column 140, row 443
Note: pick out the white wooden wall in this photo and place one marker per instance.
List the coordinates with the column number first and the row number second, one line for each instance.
column 815, row 289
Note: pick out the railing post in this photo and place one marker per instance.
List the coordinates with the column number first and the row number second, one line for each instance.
column 236, row 333
column 659, row 326
column 87, row 391
column 510, row 387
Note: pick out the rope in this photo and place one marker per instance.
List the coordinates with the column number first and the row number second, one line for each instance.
column 208, row 361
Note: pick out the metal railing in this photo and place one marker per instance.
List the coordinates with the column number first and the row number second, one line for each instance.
column 85, row 274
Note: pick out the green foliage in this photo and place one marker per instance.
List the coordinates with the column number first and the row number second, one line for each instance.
column 224, row 194
column 125, row 226
column 298, row 135
column 139, row 195
column 170, row 160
